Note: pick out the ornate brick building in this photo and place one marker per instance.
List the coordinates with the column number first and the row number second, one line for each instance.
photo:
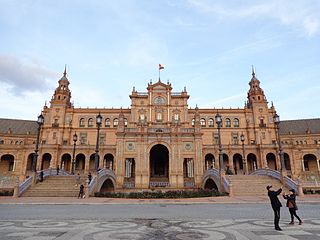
column 160, row 141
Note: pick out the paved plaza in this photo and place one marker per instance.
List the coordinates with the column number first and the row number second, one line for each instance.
column 154, row 220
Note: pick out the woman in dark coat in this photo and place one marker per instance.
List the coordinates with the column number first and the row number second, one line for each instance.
column 291, row 204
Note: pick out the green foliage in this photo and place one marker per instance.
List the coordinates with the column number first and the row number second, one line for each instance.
column 161, row 194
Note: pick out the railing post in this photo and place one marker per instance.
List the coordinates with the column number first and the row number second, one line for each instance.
column 16, row 188
column 231, row 193
column 300, row 188
column 86, row 188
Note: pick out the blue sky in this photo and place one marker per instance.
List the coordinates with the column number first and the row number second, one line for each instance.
column 207, row 46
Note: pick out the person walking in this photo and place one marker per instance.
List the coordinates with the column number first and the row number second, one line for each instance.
column 78, row 179
column 58, row 169
column 292, row 206
column 81, row 191
column 89, row 177
column 276, row 205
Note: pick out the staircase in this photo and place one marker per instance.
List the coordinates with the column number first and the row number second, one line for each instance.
column 253, row 185
column 55, row 186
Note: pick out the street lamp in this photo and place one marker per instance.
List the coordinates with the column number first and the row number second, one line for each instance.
column 243, row 155
column 96, row 156
column 219, row 122
column 281, row 154
column 35, row 155
column 75, row 139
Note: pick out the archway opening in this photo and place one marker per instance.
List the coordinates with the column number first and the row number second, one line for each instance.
column 107, row 186
column 108, row 158
column 91, row 162
column 80, row 162
column 237, row 164
column 226, row 163
column 46, row 159
column 252, row 162
column 271, row 161
column 209, row 161
column 66, row 162
column 159, row 162
column 287, row 161
column 310, row 163
column 210, row 185
column 29, row 161
column 6, row 164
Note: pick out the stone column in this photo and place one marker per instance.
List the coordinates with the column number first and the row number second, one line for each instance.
column 16, row 188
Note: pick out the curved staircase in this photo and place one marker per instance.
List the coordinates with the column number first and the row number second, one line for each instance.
column 253, row 185
column 55, row 186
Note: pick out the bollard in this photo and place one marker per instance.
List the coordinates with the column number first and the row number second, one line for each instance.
column 231, row 193
column 86, row 188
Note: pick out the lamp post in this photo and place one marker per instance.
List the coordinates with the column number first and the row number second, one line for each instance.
column 243, row 155
column 75, row 139
column 35, row 155
column 281, row 154
column 96, row 156
column 221, row 172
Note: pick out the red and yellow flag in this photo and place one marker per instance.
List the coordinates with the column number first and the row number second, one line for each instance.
column 161, row 66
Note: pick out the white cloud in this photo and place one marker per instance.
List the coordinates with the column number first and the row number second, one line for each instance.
column 303, row 15
column 22, row 77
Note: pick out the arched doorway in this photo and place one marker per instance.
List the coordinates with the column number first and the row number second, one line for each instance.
column 107, row 186
column 46, row 159
column 80, row 162
column 209, row 161
column 6, row 164
column 287, row 161
column 237, row 164
column 29, row 162
column 210, row 185
column 225, row 162
column 310, row 163
column 66, row 162
column 108, row 158
column 271, row 161
column 159, row 163
column 91, row 162
column 252, row 162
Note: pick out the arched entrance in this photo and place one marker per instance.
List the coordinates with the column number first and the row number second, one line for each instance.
column 209, row 161
column 252, row 162
column 91, row 162
column 271, row 161
column 66, row 162
column 237, row 164
column 107, row 186
column 46, row 159
column 6, row 163
column 159, row 164
column 29, row 162
column 108, row 158
column 287, row 161
column 210, row 185
column 226, row 162
column 310, row 163
column 80, row 162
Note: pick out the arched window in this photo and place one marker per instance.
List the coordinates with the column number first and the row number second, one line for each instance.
column 107, row 122
column 192, row 122
column 126, row 122
column 228, row 122
column 115, row 122
column 159, row 117
column 211, row 122
column 176, row 117
column 236, row 122
column 81, row 122
column 90, row 122
column 203, row 122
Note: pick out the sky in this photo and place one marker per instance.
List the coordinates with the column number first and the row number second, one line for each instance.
column 207, row 46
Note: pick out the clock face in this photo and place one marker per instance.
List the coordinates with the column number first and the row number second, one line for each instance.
column 159, row 100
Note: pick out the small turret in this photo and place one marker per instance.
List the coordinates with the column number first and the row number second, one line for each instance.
column 62, row 94
column 255, row 93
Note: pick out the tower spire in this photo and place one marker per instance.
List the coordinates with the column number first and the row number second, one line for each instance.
column 65, row 70
column 253, row 72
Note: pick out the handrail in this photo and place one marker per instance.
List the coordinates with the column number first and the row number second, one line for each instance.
column 92, row 184
column 25, row 185
column 216, row 174
column 276, row 174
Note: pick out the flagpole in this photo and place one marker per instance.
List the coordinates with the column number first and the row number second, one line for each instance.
column 159, row 73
